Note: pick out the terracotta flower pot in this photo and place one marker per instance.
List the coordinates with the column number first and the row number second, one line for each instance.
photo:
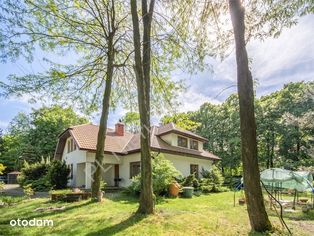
column 174, row 189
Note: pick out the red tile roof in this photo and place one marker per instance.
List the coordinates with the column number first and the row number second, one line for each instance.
column 85, row 137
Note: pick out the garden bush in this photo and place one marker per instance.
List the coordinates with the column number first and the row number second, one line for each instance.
column 212, row 181
column 58, row 174
column 190, row 181
column 44, row 175
column 36, row 175
column 163, row 174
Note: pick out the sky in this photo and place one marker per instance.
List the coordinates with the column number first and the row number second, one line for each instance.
column 275, row 62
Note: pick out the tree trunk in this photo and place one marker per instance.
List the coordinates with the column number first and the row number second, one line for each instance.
column 142, row 71
column 100, row 148
column 253, row 192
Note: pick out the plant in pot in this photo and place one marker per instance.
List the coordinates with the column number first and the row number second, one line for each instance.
column 188, row 188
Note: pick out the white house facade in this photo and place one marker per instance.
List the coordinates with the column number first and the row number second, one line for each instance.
column 77, row 147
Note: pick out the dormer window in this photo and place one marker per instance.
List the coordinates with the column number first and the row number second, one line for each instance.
column 71, row 145
column 194, row 144
column 182, row 142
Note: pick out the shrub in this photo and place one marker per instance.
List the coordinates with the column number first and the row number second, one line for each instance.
column 28, row 191
column 190, row 181
column 135, row 186
column 58, row 174
column 35, row 174
column 41, row 184
column 163, row 174
column 212, row 180
column 206, row 188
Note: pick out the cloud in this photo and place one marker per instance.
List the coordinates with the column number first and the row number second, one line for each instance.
column 289, row 58
column 275, row 62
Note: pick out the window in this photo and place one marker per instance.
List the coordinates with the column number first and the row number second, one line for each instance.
column 71, row 171
column 72, row 148
column 194, row 170
column 182, row 142
column 69, row 147
column 194, row 144
column 135, row 168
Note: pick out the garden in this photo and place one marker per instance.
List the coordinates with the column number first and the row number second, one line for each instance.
column 210, row 210
column 208, row 214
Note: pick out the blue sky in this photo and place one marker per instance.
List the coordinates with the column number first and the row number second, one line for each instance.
column 275, row 62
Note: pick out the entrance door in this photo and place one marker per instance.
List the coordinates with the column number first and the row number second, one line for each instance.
column 116, row 175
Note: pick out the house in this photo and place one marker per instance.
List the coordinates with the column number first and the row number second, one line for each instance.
column 77, row 147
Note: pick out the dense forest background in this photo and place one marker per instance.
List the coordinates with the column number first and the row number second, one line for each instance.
column 285, row 130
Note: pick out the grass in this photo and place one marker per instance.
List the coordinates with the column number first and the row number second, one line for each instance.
column 212, row 214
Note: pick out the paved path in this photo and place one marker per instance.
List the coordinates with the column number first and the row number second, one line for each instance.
column 16, row 190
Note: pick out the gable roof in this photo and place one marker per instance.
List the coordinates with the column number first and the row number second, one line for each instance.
column 85, row 137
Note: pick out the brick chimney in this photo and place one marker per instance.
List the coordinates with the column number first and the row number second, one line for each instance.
column 119, row 129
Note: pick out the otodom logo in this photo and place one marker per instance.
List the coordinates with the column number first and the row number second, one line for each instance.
column 31, row 223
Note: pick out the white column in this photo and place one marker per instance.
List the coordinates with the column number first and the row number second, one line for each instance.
column 88, row 175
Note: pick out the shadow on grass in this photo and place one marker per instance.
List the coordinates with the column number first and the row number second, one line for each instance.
column 122, row 197
column 114, row 229
column 41, row 215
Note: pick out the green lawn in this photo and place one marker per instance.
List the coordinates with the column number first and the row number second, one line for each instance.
column 205, row 215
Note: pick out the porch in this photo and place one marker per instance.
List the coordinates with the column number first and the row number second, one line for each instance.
column 84, row 175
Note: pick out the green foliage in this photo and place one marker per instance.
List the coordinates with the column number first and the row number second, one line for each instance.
column 182, row 120
column 58, row 174
column 2, row 168
column 44, row 175
column 28, row 190
column 135, row 187
column 212, row 180
column 284, row 129
column 9, row 200
column 132, row 121
column 33, row 136
column 163, row 174
column 80, row 30
column 36, row 176
column 284, row 126
column 190, row 181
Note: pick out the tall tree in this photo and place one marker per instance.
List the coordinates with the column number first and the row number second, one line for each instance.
column 94, row 31
column 33, row 136
column 96, row 34
column 111, row 28
column 142, row 67
column 253, row 192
